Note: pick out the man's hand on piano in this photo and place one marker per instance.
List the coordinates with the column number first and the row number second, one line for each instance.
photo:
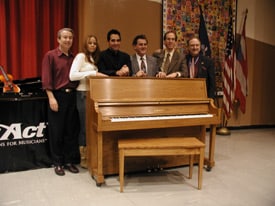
column 124, row 71
column 141, row 73
column 161, row 75
column 172, row 75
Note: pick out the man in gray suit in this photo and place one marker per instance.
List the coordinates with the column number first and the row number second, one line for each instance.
column 143, row 65
column 170, row 61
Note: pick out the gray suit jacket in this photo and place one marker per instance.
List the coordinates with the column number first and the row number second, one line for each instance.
column 177, row 64
column 151, row 62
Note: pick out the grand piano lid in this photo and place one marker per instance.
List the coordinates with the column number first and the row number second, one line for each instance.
column 29, row 88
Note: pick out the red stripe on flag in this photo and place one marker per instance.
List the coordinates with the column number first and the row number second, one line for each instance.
column 241, row 71
column 228, row 72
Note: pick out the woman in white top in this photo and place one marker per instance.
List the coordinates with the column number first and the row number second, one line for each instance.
column 84, row 65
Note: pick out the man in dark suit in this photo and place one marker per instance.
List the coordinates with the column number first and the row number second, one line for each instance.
column 200, row 66
column 170, row 61
column 143, row 65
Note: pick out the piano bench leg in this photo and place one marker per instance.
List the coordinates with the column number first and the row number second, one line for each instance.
column 121, row 169
column 191, row 163
column 200, row 170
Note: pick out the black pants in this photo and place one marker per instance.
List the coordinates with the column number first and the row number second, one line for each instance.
column 63, row 129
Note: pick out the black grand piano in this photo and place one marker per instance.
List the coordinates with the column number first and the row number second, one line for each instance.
column 29, row 88
column 23, row 127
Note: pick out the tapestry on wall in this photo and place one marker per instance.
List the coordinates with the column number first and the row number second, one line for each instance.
column 183, row 16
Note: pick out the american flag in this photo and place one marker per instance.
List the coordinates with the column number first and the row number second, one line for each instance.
column 228, row 73
column 241, row 70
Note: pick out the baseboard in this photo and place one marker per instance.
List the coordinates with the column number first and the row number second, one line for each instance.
column 251, row 127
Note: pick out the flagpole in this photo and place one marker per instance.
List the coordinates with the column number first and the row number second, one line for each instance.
column 227, row 95
column 223, row 130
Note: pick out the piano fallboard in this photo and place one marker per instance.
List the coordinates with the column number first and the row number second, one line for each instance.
column 108, row 125
column 180, row 113
column 158, row 118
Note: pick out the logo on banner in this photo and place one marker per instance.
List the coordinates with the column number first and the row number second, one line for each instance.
column 16, row 134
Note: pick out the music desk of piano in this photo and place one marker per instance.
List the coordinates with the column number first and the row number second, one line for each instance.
column 129, row 107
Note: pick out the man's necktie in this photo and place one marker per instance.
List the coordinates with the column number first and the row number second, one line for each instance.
column 142, row 65
column 192, row 68
column 166, row 63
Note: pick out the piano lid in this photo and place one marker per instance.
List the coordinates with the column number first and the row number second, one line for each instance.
column 130, row 89
column 29, row 87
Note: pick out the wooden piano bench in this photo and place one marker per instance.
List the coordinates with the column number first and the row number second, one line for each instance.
column 162, row 146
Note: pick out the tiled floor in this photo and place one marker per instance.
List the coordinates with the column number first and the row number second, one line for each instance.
column 244, row 175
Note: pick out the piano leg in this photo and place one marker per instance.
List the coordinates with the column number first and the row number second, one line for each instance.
column 99, row 176
column 212, row 141
column 95, row 165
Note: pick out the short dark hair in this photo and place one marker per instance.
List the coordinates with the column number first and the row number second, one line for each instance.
column 168, row 32
column 140, row 36
column 112, row 31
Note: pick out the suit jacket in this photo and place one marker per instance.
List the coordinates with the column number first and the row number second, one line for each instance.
column 177, row 64
column 205, row 69
column 151, row 62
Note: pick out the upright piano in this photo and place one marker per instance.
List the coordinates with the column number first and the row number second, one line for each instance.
column 129, row 107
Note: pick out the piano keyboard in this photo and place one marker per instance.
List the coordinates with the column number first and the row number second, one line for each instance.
column 167, row 117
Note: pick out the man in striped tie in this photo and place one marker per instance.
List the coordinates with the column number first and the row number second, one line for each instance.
column 171, row 62
column 143, row 65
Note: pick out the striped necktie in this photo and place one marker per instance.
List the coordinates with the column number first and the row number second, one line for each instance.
column 166, row 63
column 142, row 65
column 192, row 68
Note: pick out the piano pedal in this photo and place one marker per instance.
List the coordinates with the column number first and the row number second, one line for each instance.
column 156, row 169
column 159, row 168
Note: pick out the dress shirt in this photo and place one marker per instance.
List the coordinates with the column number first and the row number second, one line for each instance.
column 55, row 70
column 139, row 60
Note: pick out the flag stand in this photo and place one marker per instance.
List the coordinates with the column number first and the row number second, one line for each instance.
column 223, row 130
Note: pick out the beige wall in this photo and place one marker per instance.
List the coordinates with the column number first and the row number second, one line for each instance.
column 99, row 16
column 260, row 108
column 130, row 17
column 260, row 25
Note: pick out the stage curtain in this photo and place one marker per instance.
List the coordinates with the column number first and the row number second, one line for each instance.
column 28, row 29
